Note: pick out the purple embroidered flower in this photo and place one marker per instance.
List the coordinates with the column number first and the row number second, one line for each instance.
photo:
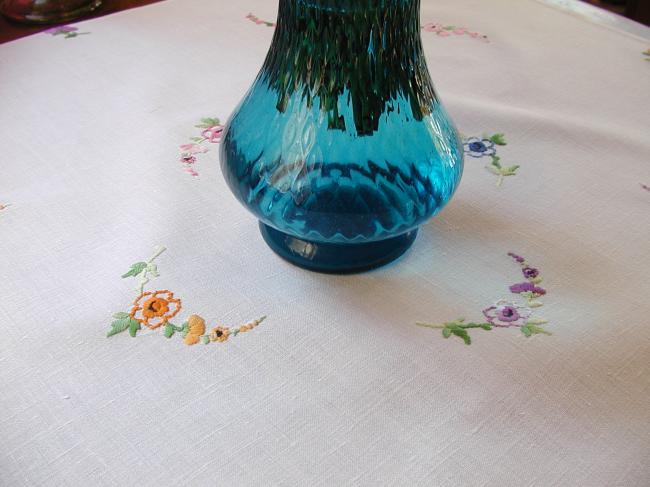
column 476, row 147
column 530, row 272
column 527, row 287
column 505, row 314
column 60, row 29
column 518, row 258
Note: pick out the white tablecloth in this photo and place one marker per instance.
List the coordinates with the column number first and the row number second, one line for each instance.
column 338, row 386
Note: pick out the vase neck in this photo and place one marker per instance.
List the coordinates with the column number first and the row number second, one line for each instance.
column 368, row 52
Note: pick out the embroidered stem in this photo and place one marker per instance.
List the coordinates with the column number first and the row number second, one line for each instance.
column 458, row 328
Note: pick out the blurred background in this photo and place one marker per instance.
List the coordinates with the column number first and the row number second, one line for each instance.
column 638, row 10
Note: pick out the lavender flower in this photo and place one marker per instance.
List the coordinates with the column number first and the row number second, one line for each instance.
column 530, row 272
column 60, row 29
column 505, row 314
column 527, row 287
column 518, row 258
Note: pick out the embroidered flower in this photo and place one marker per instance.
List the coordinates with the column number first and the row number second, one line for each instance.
column 187, row 159
column 213, row 134
column 527, row 287
column 476, row 147
column 60, row 29
column 431, row 27
column 191, row 149
column 518, row 258
column 219, row 334
column 196, row 328
column 66, row 30
column 530, row 272
column 505, row 314
column 154, row 309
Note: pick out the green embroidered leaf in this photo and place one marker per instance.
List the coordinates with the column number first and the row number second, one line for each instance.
column 169, row 330
column 118, row 326
column 510, row 171
column 461, row 333
column 136, row 269
column 537, row 330
column 196, row 139
column 526, row 331
column 121, row 315
column 185, row 330
column 446, row 333
column 206, row 339
column 487, row 327
column 206, row 123
column 498, row 139
column 134, row 326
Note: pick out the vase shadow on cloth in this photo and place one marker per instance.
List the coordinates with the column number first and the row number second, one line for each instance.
column 462, row 229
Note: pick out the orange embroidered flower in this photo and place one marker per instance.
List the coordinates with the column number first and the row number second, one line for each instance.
column 154, row 309
column 196, row 327
column 219, row 334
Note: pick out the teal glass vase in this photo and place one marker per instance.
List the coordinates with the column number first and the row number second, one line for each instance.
column 341, row 147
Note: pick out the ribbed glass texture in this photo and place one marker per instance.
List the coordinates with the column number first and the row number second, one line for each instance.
column 342, row 139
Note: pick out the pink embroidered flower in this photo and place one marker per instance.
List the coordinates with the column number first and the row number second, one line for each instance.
column 505, row 314
column 191, row 149
column 188, row 159
column 190, row 170
column 460, row 31
column 444, row 33
column 431, row 27
column 213, row 134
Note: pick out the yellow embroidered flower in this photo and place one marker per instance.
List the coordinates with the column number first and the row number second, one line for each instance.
column 154, row 309
column 219, row 334
column 196, row 327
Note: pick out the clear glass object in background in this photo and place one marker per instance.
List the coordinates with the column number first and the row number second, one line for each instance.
column 341, row 148
column 46, row 11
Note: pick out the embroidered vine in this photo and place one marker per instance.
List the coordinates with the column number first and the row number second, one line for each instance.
column 259, row 21
column 155, row 309
column 451, row 30
column 67, row 31
column 439, row 29
column 486, row 146
column 211, row 131
column 506, row 313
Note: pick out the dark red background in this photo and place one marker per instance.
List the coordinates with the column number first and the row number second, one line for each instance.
column 638, row 10
column 10, row 31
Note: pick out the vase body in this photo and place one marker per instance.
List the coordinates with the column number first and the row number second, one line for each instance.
column 46, row 11
column 341, row 147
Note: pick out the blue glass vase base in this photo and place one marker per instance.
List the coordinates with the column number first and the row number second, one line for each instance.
column 336, row 258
